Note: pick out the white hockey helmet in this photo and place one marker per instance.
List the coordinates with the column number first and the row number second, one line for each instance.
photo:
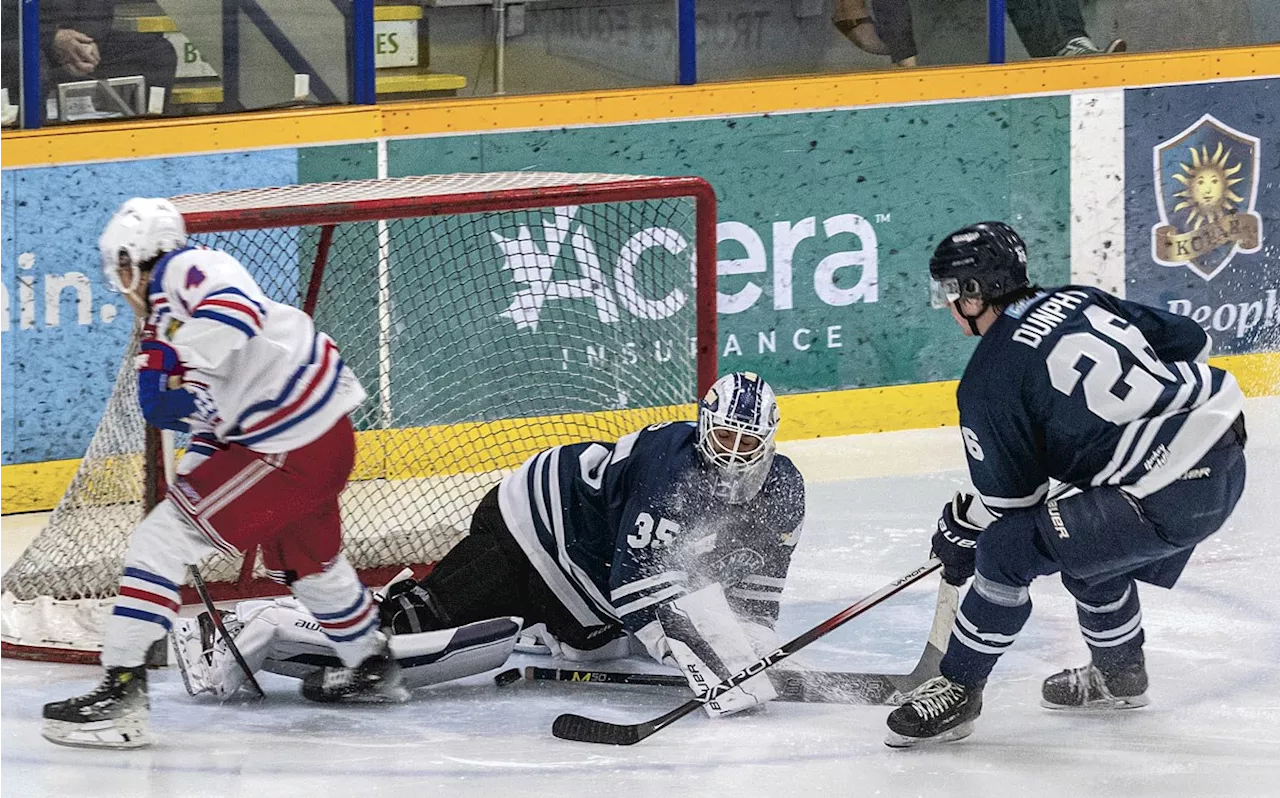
column 143, row 229
column 737, row 423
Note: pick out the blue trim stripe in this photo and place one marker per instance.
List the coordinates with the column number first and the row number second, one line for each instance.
column 139, row 615
column 269, row 404
column 361, row 632
column 147, row 576
column 333, row 386
column 239, row 293
column 332, row 616
column 227, row 320
column 156, row 285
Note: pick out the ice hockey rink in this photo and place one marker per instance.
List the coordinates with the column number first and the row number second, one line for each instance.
column 1213, row 727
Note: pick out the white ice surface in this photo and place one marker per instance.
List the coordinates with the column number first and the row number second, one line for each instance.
column 1213, row 728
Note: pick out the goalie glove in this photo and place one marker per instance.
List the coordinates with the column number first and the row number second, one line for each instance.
column 700, row 635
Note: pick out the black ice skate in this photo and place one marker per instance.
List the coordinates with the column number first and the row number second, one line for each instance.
column 114, row 715
column 377, row 680
column 937, row 711
column 1088, row 688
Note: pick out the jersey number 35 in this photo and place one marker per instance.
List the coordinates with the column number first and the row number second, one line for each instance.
column 648, row 533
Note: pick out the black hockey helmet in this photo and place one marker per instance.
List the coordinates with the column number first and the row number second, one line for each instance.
column 986, row 261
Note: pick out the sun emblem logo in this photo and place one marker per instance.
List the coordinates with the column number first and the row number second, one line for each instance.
column 1207, row 181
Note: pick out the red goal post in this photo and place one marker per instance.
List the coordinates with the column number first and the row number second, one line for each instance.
column 488, row 315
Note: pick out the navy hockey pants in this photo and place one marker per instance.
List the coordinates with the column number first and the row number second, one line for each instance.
column 1102, row 541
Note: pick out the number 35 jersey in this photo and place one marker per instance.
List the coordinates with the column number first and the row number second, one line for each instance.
column 615, row 529
column 1080, row 386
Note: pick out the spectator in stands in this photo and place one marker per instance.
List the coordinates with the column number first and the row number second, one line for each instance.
column 889, row 33
column 77, row 38
column 1050, row 28
column 10, row 73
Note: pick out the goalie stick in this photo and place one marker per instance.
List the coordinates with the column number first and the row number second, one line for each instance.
column 216, row 617
column 587, row 730
column 805, row 686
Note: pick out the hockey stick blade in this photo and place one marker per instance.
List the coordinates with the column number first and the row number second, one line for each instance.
column 586, row 730
column 536, row 674
column 203, row 591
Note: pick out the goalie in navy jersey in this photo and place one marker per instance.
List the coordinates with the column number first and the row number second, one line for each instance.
column 677, row 537
column 1114, row 400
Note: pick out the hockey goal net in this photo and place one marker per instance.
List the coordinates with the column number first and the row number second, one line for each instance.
column 488, row 316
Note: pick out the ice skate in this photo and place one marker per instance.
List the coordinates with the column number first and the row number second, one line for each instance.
column 1087, row 688
column 113, row 715
column 377, row 680
column 938, row 711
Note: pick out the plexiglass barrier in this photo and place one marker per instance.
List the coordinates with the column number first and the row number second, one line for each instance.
column 81, row 60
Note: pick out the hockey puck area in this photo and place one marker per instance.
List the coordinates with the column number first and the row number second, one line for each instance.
column 507, row 677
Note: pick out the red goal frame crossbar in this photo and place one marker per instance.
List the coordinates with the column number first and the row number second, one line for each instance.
column 327, row 215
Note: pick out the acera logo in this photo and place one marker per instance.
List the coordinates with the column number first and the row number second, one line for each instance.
column 534, row 267
column 1206, row 188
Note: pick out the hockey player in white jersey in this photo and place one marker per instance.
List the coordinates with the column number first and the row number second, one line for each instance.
column 266, row 397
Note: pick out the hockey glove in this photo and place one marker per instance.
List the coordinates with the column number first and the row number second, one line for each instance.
column 956, row 541
column 162, row 406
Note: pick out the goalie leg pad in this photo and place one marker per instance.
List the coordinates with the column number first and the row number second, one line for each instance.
column 425, row 658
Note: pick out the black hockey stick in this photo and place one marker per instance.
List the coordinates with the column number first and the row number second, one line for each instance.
column 805, row 686
column 587, row 730
column 198, row 581
column 536, row 674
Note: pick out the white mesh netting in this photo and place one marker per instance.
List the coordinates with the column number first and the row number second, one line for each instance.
column 481, row 339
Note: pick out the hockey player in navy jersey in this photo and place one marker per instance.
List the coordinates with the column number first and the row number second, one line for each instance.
column 1111, row 398
column 266, row 397
column 677, row 536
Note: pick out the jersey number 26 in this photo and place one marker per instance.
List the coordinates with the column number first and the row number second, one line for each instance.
column 1110, row 392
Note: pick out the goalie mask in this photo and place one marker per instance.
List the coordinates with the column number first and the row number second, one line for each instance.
column 737, row 422
column 141, row 231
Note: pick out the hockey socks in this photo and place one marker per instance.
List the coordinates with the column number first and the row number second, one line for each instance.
column 987, row 623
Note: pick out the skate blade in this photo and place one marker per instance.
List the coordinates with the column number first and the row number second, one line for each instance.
column 1100, row 705
column 895, row 740
column 99, row 734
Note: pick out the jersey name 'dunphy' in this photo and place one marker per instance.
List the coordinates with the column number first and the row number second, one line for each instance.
column 1080, row 386
column 617, row 529
column 263, row 375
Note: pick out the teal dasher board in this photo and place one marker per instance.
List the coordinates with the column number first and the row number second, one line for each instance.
column 826, row 225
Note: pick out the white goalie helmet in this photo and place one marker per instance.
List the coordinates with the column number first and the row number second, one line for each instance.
column 141, row 230
column 737, row 423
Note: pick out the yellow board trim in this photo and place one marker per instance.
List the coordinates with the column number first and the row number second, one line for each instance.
column 31, row 487
column 160, row 137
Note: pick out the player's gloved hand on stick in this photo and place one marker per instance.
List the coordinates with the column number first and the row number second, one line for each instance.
column 163, row 405
column 956, row 541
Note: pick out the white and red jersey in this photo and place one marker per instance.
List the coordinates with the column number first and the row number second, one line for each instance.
column 263, row 375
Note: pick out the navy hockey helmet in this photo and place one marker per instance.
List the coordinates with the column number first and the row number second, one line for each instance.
column 985, row 261
column 737, row 422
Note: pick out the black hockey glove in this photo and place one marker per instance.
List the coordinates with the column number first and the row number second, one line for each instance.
column 956, row 541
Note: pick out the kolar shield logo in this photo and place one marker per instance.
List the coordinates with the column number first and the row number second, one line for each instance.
column 1207, row 185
